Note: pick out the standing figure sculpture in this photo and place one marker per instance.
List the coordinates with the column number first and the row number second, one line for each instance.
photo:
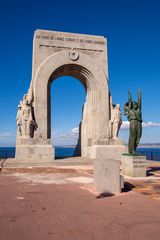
column 19, row 119
column 25, row 119
column 133, row 112
column 116, row 121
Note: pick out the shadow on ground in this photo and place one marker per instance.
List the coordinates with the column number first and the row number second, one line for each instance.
column 152, row 170
column 128, row 187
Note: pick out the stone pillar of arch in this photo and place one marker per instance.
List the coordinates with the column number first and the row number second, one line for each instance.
column 84, row 57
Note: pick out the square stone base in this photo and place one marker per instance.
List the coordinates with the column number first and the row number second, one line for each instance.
column 32, row 155
column 134, row 165
column 106, row 176
column 107, row 151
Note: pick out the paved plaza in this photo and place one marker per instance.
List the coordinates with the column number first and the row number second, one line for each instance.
column 61, row 203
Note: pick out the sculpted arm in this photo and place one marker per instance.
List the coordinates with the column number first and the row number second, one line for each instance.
column 129, row 101
column 139, row 100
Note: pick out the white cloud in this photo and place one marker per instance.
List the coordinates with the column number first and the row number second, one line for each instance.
column 125, row 125
column 60, row 137
column 65, row 138
column 75, row 130
column 150, row 124
column 5, row 134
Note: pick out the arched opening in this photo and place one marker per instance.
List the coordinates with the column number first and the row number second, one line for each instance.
column 94, row 127
column 73, row 70
column 84, row 76
column 67, row 99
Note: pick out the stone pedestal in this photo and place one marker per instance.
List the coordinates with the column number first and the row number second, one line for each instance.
column 32, row 152
column 134, row 165
column 107, row 151
column 35, row 153
column 106, row 175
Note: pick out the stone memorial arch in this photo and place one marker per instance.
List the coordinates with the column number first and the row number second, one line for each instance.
column 58, row 54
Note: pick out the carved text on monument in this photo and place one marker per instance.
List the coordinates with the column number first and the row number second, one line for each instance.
column 64, row 39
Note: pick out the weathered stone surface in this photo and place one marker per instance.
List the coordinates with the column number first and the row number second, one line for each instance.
column 134, row 166
column 107, row 151
column 106, row 175
column 32, row 155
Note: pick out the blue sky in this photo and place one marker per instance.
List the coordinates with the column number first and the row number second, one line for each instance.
column 132, row 28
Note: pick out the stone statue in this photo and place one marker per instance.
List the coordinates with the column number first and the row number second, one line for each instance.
column 116, row 121
column 25, row 118
column 132, row 110
column 19, row 119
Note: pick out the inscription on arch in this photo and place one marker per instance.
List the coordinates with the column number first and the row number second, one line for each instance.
column 65, row 39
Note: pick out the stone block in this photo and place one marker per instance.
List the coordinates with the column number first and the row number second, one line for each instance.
column 35, row 152
column 32, row 155
column 106, row 152
column 134, row 165
column 106, row 176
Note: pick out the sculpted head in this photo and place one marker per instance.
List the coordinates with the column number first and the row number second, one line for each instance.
column 117, row 106
column 25, row 100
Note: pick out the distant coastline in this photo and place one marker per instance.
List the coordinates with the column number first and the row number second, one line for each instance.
column 142, row 145
column 149, row 145
column 64, row 146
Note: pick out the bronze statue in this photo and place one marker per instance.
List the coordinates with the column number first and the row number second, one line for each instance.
column 133, row 112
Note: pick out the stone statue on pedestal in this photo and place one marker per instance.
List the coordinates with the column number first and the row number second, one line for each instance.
column 115, row 122
column 133, row 112
column 25, row 118
column 19, row 119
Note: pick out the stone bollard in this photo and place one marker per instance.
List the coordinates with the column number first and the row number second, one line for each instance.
column 106, row 176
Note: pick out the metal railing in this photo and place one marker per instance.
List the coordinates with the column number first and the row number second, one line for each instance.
column 4, row 154
column 150, row 155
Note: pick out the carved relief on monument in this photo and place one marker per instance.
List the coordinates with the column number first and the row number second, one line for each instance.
column 73, row 55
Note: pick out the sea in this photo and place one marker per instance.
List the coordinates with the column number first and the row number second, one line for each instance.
column 60, row 152
column 68, row 151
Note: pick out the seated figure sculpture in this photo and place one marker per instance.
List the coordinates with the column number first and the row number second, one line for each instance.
column 133, row 112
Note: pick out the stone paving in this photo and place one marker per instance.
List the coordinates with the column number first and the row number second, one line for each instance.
column 60, row 203
column 149, row 185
